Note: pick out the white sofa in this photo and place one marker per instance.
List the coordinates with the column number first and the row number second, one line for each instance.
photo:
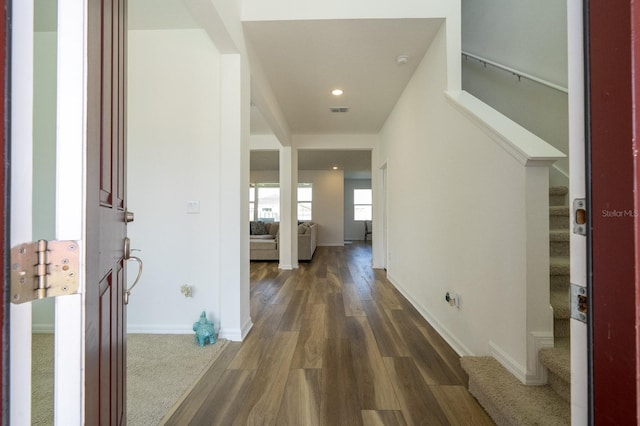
column 264, row 240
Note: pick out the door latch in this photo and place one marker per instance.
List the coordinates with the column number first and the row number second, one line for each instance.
column 580, row 216
column 44, row 269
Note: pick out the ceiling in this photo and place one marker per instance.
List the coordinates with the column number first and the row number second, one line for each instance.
column 304, row 60
column 354, row 164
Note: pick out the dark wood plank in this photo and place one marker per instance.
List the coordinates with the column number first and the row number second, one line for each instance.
column 383, row 418
column 287, row 290
column 339, row 393
column 385, row 295
column 336, row 325
column 256, row 343
column 432, row 367
column 262, row 404
column 318, row 291
column 205, row 388
column 419, row 405
column 446, row 353
column 224, row 403
column 389, row 342
column 460, row 407
column 374, row 386
column 310, row 346
column 301, row 400
column 292, row 317
column 352, row 303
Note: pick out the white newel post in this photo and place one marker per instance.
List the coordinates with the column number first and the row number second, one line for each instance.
column 539, row 319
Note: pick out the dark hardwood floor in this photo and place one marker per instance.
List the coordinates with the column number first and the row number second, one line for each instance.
column 333, row 343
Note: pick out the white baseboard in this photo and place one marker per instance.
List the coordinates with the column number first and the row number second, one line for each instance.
column 514, row 367
column 161, row 329
column 341, row 244
column 537, row 373
column 460, row 348
column 236, row 334
column 534, row 373
column 42, row 328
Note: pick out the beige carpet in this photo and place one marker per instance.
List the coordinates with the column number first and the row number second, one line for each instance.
column 161, row 368
column 508, row 401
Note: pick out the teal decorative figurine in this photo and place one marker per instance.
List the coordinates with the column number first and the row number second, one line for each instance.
column 204, row 330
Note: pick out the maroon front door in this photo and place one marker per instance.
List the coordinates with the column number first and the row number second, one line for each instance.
column 106, row 203
column 4, row 308
column 613, row 131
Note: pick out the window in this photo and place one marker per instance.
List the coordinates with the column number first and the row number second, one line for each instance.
column 305, row 197
column 264, row 202
column 252, row 202
column 362, row 204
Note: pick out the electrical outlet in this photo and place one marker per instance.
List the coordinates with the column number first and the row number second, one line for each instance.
column 453, row 299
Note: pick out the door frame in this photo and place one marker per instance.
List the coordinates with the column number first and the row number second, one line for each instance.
column 70, row 148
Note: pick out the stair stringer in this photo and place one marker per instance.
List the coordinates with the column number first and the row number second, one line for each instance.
column 534, row 373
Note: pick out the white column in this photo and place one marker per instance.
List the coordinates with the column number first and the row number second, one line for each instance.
column 288, row 242
column 235, row 320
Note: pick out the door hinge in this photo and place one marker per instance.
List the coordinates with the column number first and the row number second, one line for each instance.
column 44, row 269
column 579, row 300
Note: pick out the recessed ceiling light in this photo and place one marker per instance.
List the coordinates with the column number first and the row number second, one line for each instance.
column 335, row 167
column 337, row 92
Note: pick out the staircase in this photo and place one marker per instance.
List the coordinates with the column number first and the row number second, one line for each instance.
column 505, row 398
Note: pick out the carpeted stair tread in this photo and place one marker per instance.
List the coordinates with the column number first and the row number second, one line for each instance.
column 559, row 265
column 510, row 402
column 559, row 235
column 559, row 211
column 560, row 304
column 558, row 217
column 558, row 195
column 559, row 244
column 558, row 190
column 558, row 360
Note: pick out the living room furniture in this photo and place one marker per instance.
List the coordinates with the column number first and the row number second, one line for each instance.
column 264, row 240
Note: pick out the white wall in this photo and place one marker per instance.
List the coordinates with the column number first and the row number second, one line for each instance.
column 328, row 204
column 174, row 157
column 328, row 201
column 457, row 216
column 353, row 230
column 529, row 36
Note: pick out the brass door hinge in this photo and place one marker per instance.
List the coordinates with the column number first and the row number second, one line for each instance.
column 44, row 269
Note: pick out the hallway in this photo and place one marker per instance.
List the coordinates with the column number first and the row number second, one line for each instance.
column 333, row 343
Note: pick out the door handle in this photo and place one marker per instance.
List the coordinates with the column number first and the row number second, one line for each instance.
column 127, row 257
column 129, row 216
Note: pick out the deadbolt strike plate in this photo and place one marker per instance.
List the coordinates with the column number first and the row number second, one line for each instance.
column 44, row 269
column 579, row 300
